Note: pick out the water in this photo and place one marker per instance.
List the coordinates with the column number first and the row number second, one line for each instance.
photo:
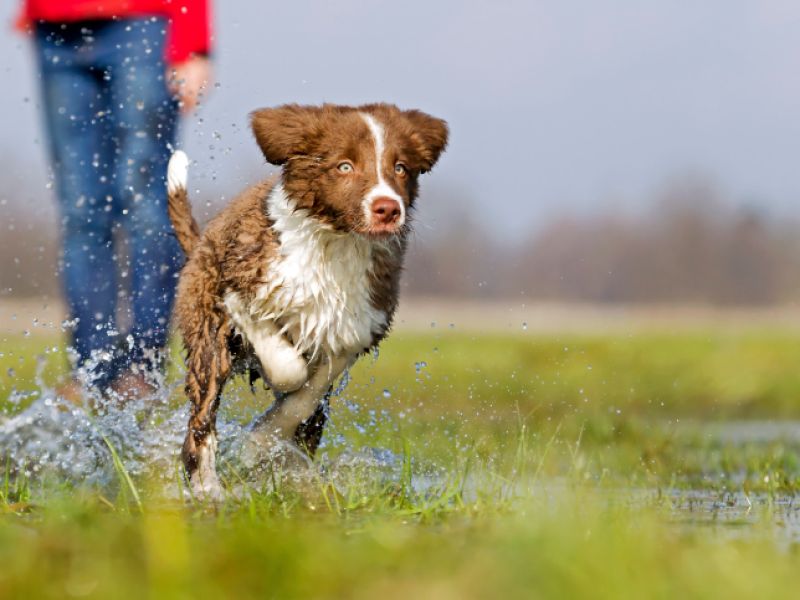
column 51, row 438
column 753, row 431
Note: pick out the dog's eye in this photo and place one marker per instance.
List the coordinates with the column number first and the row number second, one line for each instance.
column 400, row 169
column 344, row 167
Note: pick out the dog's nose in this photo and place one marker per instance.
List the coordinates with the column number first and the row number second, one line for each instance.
column 385, row 211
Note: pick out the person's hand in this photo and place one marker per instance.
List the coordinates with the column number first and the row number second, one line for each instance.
column 189, row 81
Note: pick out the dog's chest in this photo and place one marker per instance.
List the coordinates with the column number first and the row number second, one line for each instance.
column 321, row 295
column 318, row 287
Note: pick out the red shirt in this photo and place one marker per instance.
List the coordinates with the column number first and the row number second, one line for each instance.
column 189, row 30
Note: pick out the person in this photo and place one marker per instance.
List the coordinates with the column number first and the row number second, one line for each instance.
column 115, row 75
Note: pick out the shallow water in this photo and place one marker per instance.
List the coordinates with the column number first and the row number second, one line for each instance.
column 55, row 440
column 758, row 431
column 738, row 514
column 51, row 438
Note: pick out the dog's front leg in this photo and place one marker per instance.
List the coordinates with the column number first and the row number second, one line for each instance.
column 280, row 422
column 283, row 365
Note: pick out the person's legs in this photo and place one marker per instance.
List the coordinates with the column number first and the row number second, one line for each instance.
column 74, row 107
column 144, row 125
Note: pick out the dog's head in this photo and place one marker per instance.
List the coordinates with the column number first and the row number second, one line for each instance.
column 355, row 168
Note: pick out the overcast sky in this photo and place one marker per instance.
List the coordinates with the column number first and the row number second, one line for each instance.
column 553, row 106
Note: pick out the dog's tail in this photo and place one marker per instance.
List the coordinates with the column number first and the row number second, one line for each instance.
column 180, row 211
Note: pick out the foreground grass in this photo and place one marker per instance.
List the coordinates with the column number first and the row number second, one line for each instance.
column 579, row 548
column 541, row 449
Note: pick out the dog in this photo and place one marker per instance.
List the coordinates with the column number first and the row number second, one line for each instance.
column 299, row 275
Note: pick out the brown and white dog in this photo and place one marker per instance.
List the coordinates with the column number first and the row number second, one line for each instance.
column 299, row 275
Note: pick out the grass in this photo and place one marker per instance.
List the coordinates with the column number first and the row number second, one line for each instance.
column 553, row 466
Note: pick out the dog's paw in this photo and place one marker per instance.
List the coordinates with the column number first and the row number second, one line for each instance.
column 264, row 451
column 257, row 447
column 285, row 368
column 287, row 373
column 207, row 489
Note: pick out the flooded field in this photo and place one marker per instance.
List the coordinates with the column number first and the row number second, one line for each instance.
column 456, row 464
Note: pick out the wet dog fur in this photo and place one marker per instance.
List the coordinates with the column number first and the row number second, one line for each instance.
column 299, row 275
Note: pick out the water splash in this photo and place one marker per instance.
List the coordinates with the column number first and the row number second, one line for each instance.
column 52, row 438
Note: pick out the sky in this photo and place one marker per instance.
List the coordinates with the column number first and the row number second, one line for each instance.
column 554, row 107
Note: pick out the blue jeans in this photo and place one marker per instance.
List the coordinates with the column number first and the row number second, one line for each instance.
column 111, row 123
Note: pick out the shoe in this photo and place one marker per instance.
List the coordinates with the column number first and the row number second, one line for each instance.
column 132, row 386
column 72, row 391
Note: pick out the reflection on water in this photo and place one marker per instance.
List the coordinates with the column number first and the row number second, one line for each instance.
column 739, row 432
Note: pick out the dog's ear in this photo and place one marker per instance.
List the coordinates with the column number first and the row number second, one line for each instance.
column 429, row 137
column 284, row 131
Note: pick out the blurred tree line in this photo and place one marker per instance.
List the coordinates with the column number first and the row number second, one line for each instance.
column 687, row 245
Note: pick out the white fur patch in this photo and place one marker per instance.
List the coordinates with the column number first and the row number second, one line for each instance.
column 284, row 367
column 177, row 171
column 318, row 286
column 381, row 189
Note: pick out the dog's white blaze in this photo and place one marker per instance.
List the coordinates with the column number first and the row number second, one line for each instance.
column 318, row 286
column 380, row 189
